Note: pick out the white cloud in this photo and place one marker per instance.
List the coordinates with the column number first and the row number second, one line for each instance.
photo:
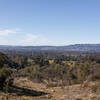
column 21, row 38
column 34, row 40
column 31, row 36
column 6, row 32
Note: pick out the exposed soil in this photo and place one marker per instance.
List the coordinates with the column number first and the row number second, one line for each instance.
column 25, row 89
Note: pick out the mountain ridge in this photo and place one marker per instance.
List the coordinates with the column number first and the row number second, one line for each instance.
column 74, row 47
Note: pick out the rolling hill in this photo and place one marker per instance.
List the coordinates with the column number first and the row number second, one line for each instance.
column 76, row 47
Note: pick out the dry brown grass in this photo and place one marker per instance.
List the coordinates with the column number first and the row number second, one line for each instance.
column 26, row 89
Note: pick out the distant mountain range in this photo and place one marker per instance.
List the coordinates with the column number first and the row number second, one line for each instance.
column 76, row 47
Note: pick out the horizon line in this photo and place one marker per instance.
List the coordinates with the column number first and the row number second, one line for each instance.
column 52, row 45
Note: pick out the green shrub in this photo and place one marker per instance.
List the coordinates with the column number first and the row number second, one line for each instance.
column 5, row 74
column 32, row 72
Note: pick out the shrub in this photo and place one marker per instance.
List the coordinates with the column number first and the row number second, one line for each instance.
column 32, row 72
column 5, row 74
column 95, row 88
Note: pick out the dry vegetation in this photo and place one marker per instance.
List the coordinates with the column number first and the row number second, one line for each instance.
column 49, row 77
column 25, row 89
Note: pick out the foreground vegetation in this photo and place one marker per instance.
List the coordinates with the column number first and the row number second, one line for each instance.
column 24, row 89
column 51, row 70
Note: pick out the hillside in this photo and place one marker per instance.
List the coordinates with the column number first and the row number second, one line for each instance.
column 6, row 62
column 49, row 75
column 27, row 90
column 76, row 47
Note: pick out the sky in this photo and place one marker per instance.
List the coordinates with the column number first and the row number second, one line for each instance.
column 49, row 22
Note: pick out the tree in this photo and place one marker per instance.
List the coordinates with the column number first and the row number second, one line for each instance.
column 5, row 74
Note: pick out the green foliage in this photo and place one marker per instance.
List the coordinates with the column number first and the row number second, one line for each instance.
column 62, row 74
column 33, row 73
column 5, row 80
column 3, row 59
column 67, row 67
column 82, row 70
column 55, row 71
column 41, row 61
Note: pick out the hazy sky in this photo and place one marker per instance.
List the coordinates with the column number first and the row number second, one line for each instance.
column 49, row 22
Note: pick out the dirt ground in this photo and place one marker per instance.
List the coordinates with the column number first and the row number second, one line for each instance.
column 25, row 89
